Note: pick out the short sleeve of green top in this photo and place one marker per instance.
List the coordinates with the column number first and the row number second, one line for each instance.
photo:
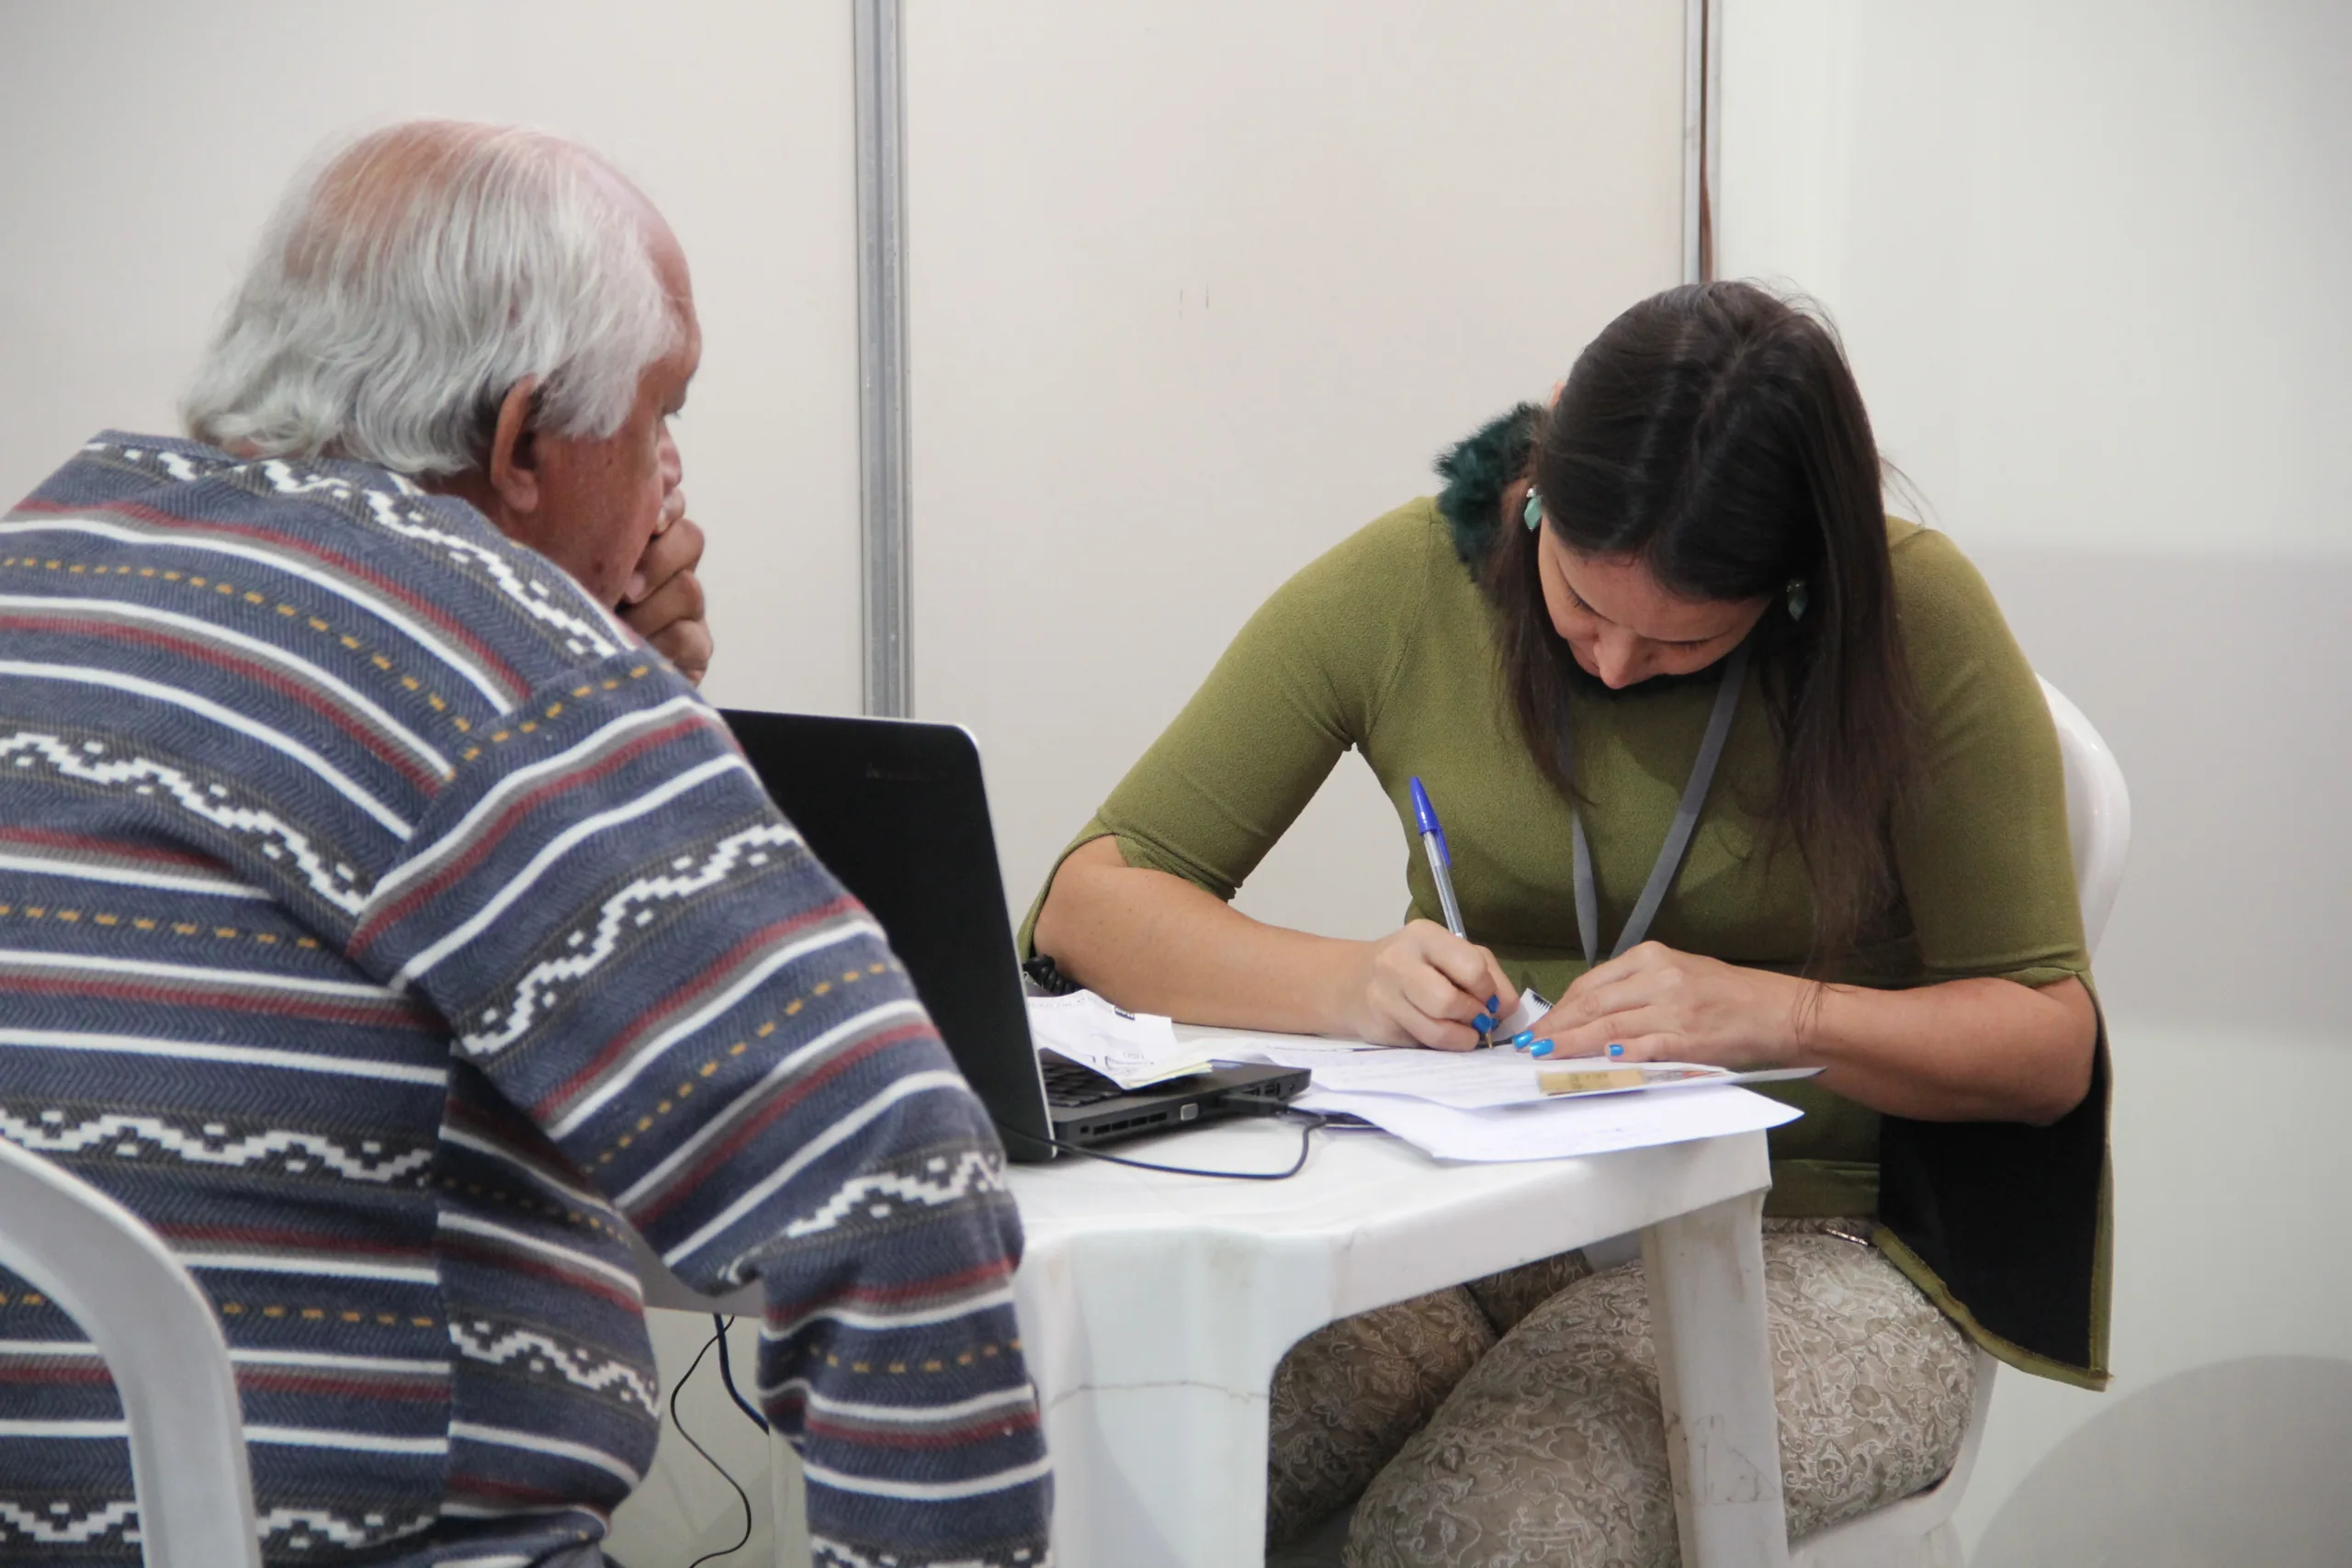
column 1386, row 645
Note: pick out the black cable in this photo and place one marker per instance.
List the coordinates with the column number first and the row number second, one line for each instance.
column 719, row 1339
column 1305, row 1142
column 727, row 1376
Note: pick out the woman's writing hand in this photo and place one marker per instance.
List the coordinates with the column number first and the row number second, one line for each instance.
column 1424, row 986
column 1660, row 1005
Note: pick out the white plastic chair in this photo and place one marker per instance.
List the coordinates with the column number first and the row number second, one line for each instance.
column 155, row 1331
column 1918, row 1531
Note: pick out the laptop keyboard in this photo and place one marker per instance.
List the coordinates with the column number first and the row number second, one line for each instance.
column 1069, row 1086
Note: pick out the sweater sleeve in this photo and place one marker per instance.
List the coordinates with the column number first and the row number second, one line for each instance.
column 1298, row 686
column 1984, row 855
column 643, row 956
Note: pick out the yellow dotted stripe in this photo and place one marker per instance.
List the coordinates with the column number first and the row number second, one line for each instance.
column 265, row 1309
column 897, row 1369
column 108, row 918
column 578, row 1218
column 231, row 590
column 281, row 1310
column 687, row 1085
column 553, row 710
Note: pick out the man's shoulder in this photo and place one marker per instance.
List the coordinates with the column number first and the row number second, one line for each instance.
column 321, row 540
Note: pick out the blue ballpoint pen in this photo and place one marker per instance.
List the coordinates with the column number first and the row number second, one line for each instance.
column 1442, row 872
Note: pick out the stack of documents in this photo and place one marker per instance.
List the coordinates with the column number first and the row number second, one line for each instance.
column 1492, row 1105
column 1476, row 1105
column 1132, row 1049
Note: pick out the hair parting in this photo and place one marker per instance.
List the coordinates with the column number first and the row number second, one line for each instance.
column 1715, row 433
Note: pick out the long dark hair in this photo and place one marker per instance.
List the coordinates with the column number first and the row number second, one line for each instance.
column 1714, row 433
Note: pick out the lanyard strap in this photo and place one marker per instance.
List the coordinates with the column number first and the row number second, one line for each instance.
column 1677, row 837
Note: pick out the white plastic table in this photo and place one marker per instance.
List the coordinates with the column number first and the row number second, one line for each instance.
column 1154, row 1309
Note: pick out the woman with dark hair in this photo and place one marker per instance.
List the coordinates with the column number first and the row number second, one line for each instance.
column 1691, row 538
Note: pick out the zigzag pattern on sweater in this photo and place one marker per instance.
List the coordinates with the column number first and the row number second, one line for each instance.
column 133, row 1136
column 336, row 883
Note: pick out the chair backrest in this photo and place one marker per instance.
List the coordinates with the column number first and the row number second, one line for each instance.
column 2099, row 813
column 155, row 1331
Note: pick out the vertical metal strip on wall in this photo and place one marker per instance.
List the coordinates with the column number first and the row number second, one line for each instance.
column 1702, row 91
column 883, row 509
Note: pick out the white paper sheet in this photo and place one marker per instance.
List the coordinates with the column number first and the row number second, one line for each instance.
column 1467, row 1080
column 1471, row 1080
column 1556, row 1129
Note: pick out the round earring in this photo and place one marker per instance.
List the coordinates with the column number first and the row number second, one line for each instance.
column 1797, row 598
column 1533, row 513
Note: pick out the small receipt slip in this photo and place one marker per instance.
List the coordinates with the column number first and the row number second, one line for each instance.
column 1132, row 1049
column 1594, row 1076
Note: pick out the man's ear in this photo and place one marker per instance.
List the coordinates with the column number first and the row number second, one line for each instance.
column 513, row 465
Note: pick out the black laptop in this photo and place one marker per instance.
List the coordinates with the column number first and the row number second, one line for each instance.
column 897, row 810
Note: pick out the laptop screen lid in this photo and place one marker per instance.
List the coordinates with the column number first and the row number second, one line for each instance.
column 896, row 809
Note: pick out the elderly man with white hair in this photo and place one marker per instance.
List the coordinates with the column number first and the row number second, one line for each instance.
column 380, row 918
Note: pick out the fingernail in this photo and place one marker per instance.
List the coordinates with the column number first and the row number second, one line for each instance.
column 1616, row 1050
column 1483, row 1022
column 1522, row 1037
column 1494, row 1004
column 1543, row 1048
column 635, row 590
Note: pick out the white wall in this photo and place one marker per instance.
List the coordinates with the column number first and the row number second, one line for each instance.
column 2088, row 262
column 145, row 144
column 1199, row 288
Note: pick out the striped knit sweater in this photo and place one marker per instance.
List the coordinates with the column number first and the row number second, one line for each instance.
column 377, row 917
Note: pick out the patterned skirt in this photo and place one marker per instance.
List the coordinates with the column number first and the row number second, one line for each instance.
column 1514, row 1421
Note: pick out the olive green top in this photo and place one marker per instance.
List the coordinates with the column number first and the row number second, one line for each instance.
column 1386, row 644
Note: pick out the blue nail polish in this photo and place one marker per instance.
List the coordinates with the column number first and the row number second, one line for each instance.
column 1482, row 1023
column 1522, row 1037
column 1543, row 1048
column 1616, row 1050
column 1494, row 1004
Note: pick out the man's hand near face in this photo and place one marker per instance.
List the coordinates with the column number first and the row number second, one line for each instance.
column 662, row 603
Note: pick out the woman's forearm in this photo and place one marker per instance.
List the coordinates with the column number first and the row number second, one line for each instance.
column 1153, row 942
column 1961, row 1051
column 1156, row 944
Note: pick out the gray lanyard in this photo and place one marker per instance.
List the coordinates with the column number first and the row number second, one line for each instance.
column 1678, row 838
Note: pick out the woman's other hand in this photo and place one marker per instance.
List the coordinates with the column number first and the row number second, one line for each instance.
column 1424, row 986
column 1656, row 1004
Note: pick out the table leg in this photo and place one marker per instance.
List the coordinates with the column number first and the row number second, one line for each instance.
column 1705, row 1272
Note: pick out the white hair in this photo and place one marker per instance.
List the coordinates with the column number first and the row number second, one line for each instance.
column 407, row 282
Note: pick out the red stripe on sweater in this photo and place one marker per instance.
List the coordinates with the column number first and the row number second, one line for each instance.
column 80, row 1371
column 512, row 1491
column 386, row 1015
column 420, row 1389
column 915, row 1290
column 1006, row 1426
column 117, row 848
column 325, row 1242
column 492, row 1255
